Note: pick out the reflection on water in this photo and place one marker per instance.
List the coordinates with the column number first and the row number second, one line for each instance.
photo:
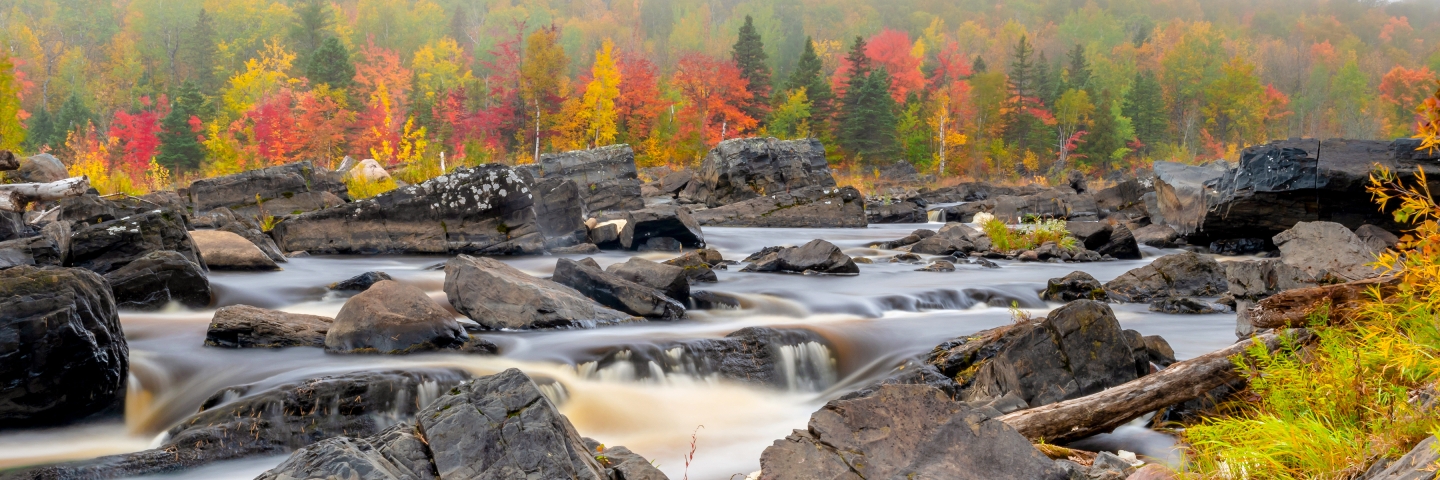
column 870, row 322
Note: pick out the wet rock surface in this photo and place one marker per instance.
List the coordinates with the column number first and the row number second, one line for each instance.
column 615, row 292
column 642, row 227
column 741, row 169
column 158, row 278
column 107, row 246
column 1075, row 286
column 361, row 282
column 809, row 207
column 498, row 296
column 817, row 257
column 1121, row 244
column 393, row 318
column 1178, row 275
column 244, row 326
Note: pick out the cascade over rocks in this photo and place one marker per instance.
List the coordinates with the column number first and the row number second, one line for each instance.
column 660, row 221
column 65, row 355
column 153, row 281
column 244, row 326
column 808, row 207
column 816, row 257
column 280, row 190
column 741, row 169
column 485, row 210
column 616, row 292
column 498, row 296
column 793, row 358
column 223, row 250
column 905, row 431
column 396, row 318
column 606, row 176
column 1178, row 275
column 1321, row 248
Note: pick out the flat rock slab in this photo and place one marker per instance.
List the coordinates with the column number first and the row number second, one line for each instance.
column 223, row 250
column 810, row 207
column 244, row 326
column 498, row 296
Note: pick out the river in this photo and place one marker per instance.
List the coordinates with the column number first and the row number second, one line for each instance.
column 873, row 321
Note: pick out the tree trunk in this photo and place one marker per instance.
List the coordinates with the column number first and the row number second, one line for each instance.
column 8, row 161
column 1293, row 308
column 1104, row 411
column 14, row 198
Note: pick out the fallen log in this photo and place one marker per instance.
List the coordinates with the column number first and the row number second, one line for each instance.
column 1104, row 411
column 1293, row 308
column 15, row 197
column 8, row 161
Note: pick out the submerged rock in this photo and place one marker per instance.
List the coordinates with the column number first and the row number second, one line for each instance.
column 65, row 356
column 616, row 292
column 153, row 281
column 817, row 256
column 224, row 250
column 1178, row 275
column 361, row 282
column 741, row 169
column 498, row 296
column 393, row 318
column 244, row 326
column 809, row 207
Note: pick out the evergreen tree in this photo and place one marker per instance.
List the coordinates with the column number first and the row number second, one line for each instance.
column 1079, row 71
column 978, row 66
column 1103, row 138
column 859, row 71
column 1021, row 125
column 330, row 65
column 422, row 106
column 197, row 53
column 42, row 131
column 180, row 147
column 307, row 30
column 870, row 126
column 809, row 75
column 749, row 56
column 1048, row 84
column 73, row 115
column 1145, row 106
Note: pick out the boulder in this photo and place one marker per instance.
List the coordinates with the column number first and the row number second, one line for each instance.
column 367, row 170
column 669, row 279
column 155, row 280
column 393, row 318
column 1321, row 248
column 1091, row 235
column 1158, row 236
column 621, row 463
column 105, row 247
column 36, row 250
column 660, row 221
column 1121, row 244
column 938, row 266
column 1418, row 464
column 559, row 213
column 497, row 296
column 675, row 182
column 910, row 239
column 259, row 239
column 697, row 265
column 1075, row 286
column 65, row 355
column 905, row 431
column 1237, row 246
column 581, row 249
column 361, row 282
column 224, row 250
column 1180, row 275
column 1186, row 306
column 1125, row 198
column 703, row 300
column 1184, row 193
column 606, row 235
column 606, row 176
column 275, row 191
column 42, row 168
column 214, row 218
column 90, row 208
column 1258, row 279
column 1057, row 203
column 398, row 452
column 952, row 239
column 482, row 210
column 974, row 192
column 810, row 207
column 741, row 169
column 1076, row 350
column 12, row 226
column 794, row 359
column 897, row 212
column 616, row 292
column 817, row 257
column 244, row 326
column 1378, row 239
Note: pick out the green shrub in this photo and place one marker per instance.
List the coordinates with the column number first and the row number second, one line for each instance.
column 1003, row 238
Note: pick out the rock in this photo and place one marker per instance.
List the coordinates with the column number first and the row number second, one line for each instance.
column 793, row 359
column 1158, row 236
column 660, row 221
column 697, row 265
column 607, row 235
column 42, row 168
column 1153, row 471
column 910, row 372
column 1378, row 239
column 1126, row 198
column 615, row 292
column 398, row 452
column 498, row 296
column 1186, row 306
column 1121, row 245
column 559, row 213
column 244, row 326
column 1044, row 204
column 12, row 226
column 703, row 300
column 1258, row 279
column 1418, row 464
column 1092, row 235
column 661, row 244
column 741, row 169
column 282, row 190
column 905, row 431
column 810, row 207
column 910, row 239
column 898, row 212
column 620, row 462
column 88, row 208
column 1237, row 246
column 224, row 250
column 669, row 279
column 606, row 176
column 906, row 258
column 361, row 282
column 938, row 266
column 485, row 210
column 1108, row 465
column 214, row 218
column 1075, row 286
column 1184, row 194
column 1178, row 275
column 581, row 249
column 153, row 281
column 257, row 238
column 1051, row 251
column 393, row 318
column 1028, row 256
column 1321, row 248
column 368, row 170
column 37, row 251
column 675, row 182
column 952, row 240
column 65, row 356
column 107, row 246
column 817, row 256
column 1076, row 350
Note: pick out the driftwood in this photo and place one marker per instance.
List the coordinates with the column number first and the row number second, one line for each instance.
column 1292, row 308
column 8, row 161
column 16, row 197
column 1104, row 411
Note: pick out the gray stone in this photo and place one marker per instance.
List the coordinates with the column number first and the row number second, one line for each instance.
column 498, row 296
column 559, row 212
column 1186, row 306
column 1418, row 464
column 746, row 168
column 1178, row 275
column 897, row 212
column 154, row 280
column 1158, row 236
column 275, row 191
column 809, row 207
column 396, row 453
column 42, row 168
column 698, row 264
column 1321, row 248
column 1378, row 239
column 615, row 292
column 393, row 318
column 361, row 282
column 1075, row 286
column 668, row 279
column 1092, row 235
column 1121, row 244
column 224, row 250
column 938, row 266
column 661, row 221
column 817, row 256
column 606, row 176
column 793, row 359
column 244, row 326
column 107, row 246
column 1257, row 279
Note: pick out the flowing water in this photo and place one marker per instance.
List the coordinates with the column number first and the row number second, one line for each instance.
column 871, row 321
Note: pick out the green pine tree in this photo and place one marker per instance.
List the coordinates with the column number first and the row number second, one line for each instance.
column 1048, row 84
column 749, row 56
column 809, row 75
column 1103, row 138
column 871, row 126
column 1079, row 70
column 1022, row 128
column 307, row 30
column 849, row 104
column 978, row 66
column 330, row 64
column 1145, row 107
column 197, row 53
column 180, row 148
column 73, row 116
column 42, row 131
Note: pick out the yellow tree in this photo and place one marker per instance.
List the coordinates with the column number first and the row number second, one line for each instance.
column 944, row 121
column 600, row 96
column 440, row 65
column 262, row 76
column 543, row 83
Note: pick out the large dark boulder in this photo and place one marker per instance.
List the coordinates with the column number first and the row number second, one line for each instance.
column 1075, row 286
column 745, row 168
column 38, row 250
column 485, row 210
column 897, row 212
column 274, row 191
column 952, row 239
column 660, row 221
column 616, row 292
column 808, row 207
column 107, row 246
column 361, row 282
column 1180, row 275
column 606, row 176
column 1092, row 235
column 393, row 318
column 244, row 326
column 498, row 296
column 669, row 279
column 793, row 359
column 815, row 257
column 398, row 452
column 155, row 280
column 906, row 431
column 62, row 353
column 1121, row 244
column 559, row 213
column 1076, row 350
column 12, row 226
